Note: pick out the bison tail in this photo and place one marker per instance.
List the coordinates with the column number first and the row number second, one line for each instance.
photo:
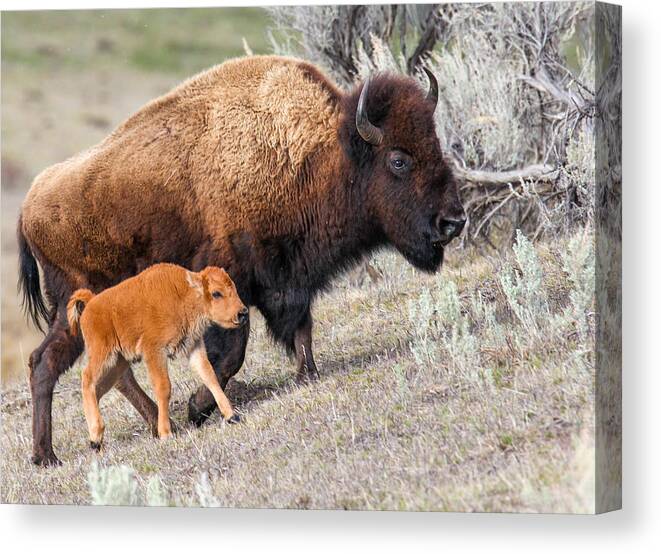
column 29, row 286
column 75, row 308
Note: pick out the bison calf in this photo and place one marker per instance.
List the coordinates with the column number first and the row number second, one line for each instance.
column 162, row 312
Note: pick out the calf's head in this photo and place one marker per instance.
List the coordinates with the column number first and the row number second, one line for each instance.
column 410, row 192
column 222, row 302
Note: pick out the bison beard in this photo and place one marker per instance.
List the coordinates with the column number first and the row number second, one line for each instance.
column 272, row 178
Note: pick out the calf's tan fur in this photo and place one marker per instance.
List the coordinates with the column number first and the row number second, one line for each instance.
column 155, row 315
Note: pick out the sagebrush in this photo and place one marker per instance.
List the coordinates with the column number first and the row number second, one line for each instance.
column 433, row 396
column 517, row 100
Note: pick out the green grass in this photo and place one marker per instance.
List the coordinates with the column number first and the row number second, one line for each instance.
column 177, row 41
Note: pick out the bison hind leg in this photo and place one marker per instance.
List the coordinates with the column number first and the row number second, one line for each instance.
column 57, row 353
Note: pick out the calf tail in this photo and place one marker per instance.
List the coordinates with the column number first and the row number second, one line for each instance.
column 75, row 308
column 29, row 286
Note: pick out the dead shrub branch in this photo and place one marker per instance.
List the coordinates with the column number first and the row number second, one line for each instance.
column 517, row 97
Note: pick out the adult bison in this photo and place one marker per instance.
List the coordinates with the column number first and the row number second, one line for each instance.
column 260, row 165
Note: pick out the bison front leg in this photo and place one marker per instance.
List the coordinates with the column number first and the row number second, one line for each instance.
column 307, row 369
column 226, row 349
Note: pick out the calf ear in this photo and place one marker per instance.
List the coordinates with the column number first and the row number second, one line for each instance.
column 215, row 272
column 196, row 281
column 212, row 269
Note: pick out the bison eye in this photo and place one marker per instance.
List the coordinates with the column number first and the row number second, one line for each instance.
column 216, row 294
column 399, row 162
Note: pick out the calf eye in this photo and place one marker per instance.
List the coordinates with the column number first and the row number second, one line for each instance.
column 216, row 294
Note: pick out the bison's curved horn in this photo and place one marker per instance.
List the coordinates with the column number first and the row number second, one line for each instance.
column 370, row 133
column 433, row 87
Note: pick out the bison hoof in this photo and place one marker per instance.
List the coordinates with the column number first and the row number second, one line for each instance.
column 46, row 460
column 95, row 445
column 196, row 416
column 304, row 377
column 234, row 419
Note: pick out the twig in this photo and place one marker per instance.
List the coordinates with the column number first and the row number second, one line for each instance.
column 537, row 172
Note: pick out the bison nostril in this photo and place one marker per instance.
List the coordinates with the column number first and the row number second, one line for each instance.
column 450, row 228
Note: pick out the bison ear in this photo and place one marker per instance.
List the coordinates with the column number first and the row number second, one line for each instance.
column 197, row 281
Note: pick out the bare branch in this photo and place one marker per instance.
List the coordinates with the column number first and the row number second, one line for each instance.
column 543, row 82
column 431, row 31
column 516, row 118
column 538, row 172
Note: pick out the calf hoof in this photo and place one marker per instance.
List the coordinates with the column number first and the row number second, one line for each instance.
column 234, row 419
column 45, row 459
column 96, row 446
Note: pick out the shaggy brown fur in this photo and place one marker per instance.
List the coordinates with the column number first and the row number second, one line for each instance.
column 157, row 314
column 255, row 165
column 193, row 157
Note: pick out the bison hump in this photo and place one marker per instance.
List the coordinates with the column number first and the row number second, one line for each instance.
column 271, row 113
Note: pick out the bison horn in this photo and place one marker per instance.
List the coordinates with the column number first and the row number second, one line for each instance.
column 433, row 87
column 370, row 133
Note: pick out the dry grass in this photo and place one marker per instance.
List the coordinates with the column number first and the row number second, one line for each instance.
column 502, row 427
column 58, row 99
column 423, row 402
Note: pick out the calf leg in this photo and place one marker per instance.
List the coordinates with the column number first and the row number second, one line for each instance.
column 200, row 363
column 90, row 378
column 58, row 351
column 145, row 406
column 111, row 377
column 96, row 382
column 160, row 380
column 226, row 350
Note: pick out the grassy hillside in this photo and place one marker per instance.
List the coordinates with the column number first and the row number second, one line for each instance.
column 469, row 390
column 178, row 41
column 68, row 78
